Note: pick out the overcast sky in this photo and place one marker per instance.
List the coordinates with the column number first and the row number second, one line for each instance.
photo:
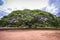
column 52, row 6
column 24, row 4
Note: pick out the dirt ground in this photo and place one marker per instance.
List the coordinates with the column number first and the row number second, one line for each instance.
column 30, row 35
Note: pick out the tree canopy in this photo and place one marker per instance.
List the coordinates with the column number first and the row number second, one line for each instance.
column 30, row 19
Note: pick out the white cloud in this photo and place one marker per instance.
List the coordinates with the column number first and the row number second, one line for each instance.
column 52, row 9
column 28, row 4
column 24, row 4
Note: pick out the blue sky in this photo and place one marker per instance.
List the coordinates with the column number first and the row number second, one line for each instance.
column 56, row 3
column 1, row 2
column 6, row 6
column 2, row 13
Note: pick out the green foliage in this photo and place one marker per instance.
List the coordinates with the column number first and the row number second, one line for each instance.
column 30, row 19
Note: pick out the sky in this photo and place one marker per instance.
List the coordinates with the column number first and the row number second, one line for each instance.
column 7, row 6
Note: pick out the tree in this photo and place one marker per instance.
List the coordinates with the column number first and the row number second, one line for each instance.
column 31, row 18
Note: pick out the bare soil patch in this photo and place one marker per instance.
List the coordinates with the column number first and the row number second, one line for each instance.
column 30, row 35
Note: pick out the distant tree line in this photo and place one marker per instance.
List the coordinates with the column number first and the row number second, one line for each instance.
column 30, row 19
